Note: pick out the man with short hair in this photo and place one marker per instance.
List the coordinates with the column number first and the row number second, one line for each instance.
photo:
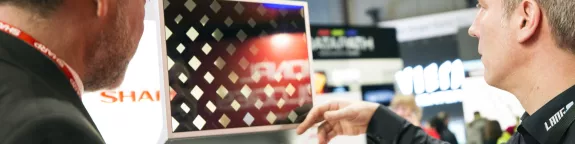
column 53, row 50
column 527, row 48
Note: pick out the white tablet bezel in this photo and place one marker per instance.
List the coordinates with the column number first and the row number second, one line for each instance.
column 165, row 79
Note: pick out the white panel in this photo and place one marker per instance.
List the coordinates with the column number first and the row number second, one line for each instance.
column 492, row 103
column 434, row 25
column 371, row 71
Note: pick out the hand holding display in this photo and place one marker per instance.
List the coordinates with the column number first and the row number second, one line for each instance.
column 340, row 118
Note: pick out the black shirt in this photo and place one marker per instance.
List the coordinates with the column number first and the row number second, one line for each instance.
column 388, row 128
column 534, row 129
column 37, row 102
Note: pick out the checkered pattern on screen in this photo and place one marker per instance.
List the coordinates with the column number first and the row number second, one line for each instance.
column 209, row 55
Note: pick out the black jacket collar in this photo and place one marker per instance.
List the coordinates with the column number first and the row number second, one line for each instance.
column 538, row 124
column 16, row 52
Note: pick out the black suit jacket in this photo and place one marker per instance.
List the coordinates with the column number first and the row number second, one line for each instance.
column 37, row 102
column 386, row 127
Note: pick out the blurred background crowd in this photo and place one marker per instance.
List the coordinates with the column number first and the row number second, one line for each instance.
column 479, row 131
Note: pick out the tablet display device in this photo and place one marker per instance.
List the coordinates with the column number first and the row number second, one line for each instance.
column 235, row 66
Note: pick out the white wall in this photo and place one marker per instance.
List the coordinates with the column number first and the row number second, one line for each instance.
column 492, row 103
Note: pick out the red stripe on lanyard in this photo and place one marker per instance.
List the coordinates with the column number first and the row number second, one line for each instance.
column 71, row 74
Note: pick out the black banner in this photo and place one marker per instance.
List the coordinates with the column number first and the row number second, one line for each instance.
column 427, row 51
column 340, row 42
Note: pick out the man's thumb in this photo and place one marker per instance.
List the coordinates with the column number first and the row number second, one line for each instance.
column 338, row 114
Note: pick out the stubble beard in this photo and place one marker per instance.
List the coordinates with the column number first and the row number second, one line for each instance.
column 108, row 60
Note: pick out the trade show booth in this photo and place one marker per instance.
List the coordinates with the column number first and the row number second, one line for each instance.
column 357, row 59
column 444, row 71
column 434, row 71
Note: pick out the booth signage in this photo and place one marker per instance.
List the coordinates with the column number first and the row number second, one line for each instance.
column 330, row 42
column 418, row 80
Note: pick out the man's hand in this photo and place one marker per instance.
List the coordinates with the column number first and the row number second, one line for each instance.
column 341, row 118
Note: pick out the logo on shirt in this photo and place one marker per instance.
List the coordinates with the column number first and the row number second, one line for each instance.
column 557, row 117
column 9, row 29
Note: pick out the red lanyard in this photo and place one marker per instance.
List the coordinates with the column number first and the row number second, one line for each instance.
column 66, row 69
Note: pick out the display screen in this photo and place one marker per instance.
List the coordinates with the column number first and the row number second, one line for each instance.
column 236, row 64
column 337, row 89
column 382, row 94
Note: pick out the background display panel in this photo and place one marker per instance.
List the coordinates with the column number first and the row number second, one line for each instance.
column 382, row 94
column 236, row 64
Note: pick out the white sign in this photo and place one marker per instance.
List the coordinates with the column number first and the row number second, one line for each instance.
column 434, row 25
column 132, row 113
column 418, row 80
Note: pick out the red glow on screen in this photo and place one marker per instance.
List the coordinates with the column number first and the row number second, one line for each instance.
column 283, row 46
column 281, row 41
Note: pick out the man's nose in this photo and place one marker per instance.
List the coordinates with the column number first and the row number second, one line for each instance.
column 473, row 31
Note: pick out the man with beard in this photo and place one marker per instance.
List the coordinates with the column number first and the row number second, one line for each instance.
column 53, row 50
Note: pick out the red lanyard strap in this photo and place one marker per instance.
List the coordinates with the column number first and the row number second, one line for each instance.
column 65, row 68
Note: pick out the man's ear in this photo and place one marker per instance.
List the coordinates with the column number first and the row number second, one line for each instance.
column 103, row 7
column 529, row 20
